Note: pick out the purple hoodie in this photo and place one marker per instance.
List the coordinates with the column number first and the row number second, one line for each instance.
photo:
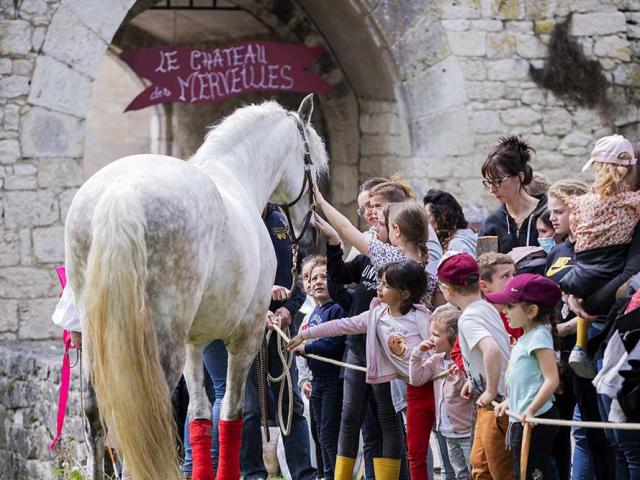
column 390, row 340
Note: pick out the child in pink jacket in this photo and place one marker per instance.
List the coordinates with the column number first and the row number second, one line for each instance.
column 453, row 412
column 395, row 324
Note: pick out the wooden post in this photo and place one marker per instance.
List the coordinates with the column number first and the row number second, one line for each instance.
column 524, row 451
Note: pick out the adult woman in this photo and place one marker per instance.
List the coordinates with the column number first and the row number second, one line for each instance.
column 506, row 172
column 447, row 218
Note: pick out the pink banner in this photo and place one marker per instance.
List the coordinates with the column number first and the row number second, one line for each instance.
column 180, row 74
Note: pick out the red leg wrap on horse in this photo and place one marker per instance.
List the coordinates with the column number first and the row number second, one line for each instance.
column 200, row 437
column 230, row 441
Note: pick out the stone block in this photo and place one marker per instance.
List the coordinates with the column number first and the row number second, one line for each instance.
column 600, row 23
column 507, row 9
column 23, row 67
column 9, row 249
column 26, row 257
column 48, row 244
column 73, row 43
column 520, row 26
column 59, row 172
column 11, row 117
column 36, row 11
column 440, row 87
column 500, row 45
column 583, row 6
column 520, row 116
column 14, row 86
column 508, row 69
column 473, row 69
column 533, row 97
column 381, row 123
column 15, row 37
column 344, row 184
column 37, row 39
column 6, row 66
column 28, row 282
column 102, row 17
column 20, row 182
column 51, row 134
column 8, row 315
column 58, row 87
column 467, row 44
column 487, row 122
column 544, row 26
column 25, row 209
column 35, row 319
column 443, row 134
column 530, row 46
column 486, row 25
column 485, row 90
column 9, row 151
column 576, row 143
column 423, row 45
column 614, row 47
column 539, row 9
column 441, row 168
column 457, row 25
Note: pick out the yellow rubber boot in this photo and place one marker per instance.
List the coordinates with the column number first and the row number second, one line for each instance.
column 344, row 468
column 386, row 468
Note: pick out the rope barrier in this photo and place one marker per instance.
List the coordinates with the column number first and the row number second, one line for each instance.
column 573, row 423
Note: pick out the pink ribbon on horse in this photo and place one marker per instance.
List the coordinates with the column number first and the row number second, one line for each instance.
column 63, row 395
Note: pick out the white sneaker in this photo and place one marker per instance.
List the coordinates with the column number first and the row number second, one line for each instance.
column 581, row 363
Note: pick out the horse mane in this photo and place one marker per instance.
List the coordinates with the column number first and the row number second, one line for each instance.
column 235, row 135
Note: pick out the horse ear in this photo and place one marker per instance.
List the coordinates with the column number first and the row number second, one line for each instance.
column 306, row 109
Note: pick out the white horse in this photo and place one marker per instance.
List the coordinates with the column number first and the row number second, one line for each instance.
column 165, row 256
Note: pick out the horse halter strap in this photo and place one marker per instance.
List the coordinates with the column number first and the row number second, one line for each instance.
column 306, row 184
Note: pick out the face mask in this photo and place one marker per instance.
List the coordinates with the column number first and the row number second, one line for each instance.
column 547, row 243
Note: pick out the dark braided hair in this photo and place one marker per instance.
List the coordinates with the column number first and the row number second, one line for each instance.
column 447, row 215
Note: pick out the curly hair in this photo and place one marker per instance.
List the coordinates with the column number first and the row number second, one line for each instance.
column 447, row 215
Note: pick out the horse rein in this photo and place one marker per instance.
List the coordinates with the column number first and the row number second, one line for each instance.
column 307, row 183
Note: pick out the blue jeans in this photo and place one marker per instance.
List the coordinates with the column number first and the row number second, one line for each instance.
column 296, row 444
column 446, row 472
column 326, row 402
column 582, row 462
column 626, row 444
column 215, row 363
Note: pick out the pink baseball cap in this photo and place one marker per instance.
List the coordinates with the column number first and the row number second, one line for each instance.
column 528, row 287
column 612, row 149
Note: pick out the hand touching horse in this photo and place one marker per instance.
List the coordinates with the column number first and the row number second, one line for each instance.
column 165, row 256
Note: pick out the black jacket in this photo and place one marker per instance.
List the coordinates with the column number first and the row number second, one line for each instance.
column 277, row 225
column 360, row 271
column 502, row 225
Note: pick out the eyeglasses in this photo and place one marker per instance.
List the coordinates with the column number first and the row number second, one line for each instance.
column 362, row 211
column 497, row 183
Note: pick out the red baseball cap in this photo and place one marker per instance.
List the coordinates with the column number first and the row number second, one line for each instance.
column 459, row 269
column 528, row 287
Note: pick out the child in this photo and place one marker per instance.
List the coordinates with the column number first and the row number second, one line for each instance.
column 602, row 221
column 546, row 234
column 532, row 376
column 485, row 349
column 496, row 269
column 453, row 412
column 326, row 383
column 395, row 325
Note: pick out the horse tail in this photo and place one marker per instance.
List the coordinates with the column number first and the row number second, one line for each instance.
column 130, row 385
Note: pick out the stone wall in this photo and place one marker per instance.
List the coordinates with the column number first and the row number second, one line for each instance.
column 29, row 380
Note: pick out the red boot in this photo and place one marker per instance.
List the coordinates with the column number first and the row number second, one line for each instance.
column 230, row 441
column 200, row 438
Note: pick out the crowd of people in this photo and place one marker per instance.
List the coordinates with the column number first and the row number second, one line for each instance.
column 461, row 347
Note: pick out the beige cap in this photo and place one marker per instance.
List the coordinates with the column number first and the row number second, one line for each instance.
column 612, row 149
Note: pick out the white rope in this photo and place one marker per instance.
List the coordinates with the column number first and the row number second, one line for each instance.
column 285, row 381
column 573, row 423
column 318, row 357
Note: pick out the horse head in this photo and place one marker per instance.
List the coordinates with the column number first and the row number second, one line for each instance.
column 294, row 194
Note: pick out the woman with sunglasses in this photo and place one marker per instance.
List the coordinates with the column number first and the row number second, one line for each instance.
column 506, row 173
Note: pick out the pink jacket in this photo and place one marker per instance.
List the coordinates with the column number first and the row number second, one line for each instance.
column 425, row 365
column 390, row 340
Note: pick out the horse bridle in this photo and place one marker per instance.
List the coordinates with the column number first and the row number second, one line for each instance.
column 307, row 183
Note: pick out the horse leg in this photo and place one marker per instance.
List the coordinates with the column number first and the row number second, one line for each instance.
column 199, row 412
column 242, row 352
column 93, row 432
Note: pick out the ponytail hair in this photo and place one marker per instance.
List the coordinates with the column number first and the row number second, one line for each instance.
column 610, row 179
column 413, row 222
column 547, row 314
column 510, row 157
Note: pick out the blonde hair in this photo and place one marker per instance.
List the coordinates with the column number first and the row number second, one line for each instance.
column 609, row 179
column 413, row 222
column 396, row 190
column 564, row 189
column 446, row 316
